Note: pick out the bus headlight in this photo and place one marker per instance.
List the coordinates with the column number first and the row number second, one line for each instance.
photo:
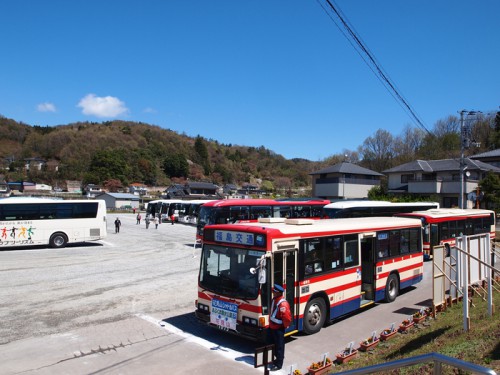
column 249, row 321
column 203, row 307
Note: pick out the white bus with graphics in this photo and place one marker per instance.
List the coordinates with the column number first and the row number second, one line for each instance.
column 43, row 221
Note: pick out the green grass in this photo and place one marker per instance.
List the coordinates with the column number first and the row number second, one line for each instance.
column 444, row 335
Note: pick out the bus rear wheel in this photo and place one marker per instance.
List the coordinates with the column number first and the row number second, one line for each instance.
column 58, row 240
column 314, row 316
column 391, row 288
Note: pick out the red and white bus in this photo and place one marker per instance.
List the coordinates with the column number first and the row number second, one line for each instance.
column 249, row 210
column 442, row 226
column 328, row 268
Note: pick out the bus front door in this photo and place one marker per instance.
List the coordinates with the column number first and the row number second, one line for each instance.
column 284, row 274
column 367, row 271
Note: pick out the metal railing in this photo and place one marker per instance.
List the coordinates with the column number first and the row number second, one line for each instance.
column 437, row 359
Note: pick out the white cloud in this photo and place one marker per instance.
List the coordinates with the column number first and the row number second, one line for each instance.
column 107, row 106
column 46, row 107
column 150, row 110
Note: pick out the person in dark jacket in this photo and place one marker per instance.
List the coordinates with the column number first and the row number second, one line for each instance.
column 279, row 320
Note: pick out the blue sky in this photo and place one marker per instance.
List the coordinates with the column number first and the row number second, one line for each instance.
column 270, row 73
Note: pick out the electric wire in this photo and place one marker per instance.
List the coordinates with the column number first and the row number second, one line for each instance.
column 368, row 57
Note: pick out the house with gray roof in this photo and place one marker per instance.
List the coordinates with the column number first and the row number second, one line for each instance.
column 344, row 181
column 119, row 200
column 491, row 157
column 438, row 179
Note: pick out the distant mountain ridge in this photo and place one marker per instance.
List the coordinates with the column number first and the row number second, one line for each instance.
column 139, row 152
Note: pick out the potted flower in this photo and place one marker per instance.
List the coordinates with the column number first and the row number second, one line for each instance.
column 346, row 355
column 388, row 333
column 297, row 372
column 405, row 325
column 419, row 316
column 321, row 367
column 369, row 343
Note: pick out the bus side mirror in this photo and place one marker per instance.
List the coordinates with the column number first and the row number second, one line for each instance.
column 261, row 269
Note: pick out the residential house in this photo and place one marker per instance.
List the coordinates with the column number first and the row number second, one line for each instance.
column 34, row 164
column 138, row 189
column 490, row 157
column 229, row 189
column 119, row 200
column 438, row 179
column 191, row 190
column 344, row 181
column 91, row 190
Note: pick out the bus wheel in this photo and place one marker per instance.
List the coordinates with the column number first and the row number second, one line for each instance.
column 314, row 316
column 58, row 240
column 391, row 288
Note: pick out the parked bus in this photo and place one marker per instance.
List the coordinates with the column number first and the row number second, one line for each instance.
column 442, row 226
column 365, row 208
column 189, row 210
column 328, row 268
column 249, row 210
column 40, row 221
column 164, row 208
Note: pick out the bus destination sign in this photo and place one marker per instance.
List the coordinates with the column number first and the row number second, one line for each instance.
column 242, row 238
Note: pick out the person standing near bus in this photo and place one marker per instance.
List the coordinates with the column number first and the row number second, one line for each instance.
column 172, row 218
column 147, row 220
column 138, row 218
column 156, row 221
column 118, row 224
column 279, row 321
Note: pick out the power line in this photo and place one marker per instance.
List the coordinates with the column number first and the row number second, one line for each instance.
column 368, row 57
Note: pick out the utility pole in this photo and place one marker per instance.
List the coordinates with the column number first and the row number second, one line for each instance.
column 465, row 143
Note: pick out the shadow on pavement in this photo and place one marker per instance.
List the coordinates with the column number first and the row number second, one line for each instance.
column 222, row 341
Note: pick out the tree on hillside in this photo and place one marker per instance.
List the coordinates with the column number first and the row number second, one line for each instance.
column 495, row 136
column 490, row 187
column 107, row 165
column 176, row 166
column 378, row 151
column 202, row 156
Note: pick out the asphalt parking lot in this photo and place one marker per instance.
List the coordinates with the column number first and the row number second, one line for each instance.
column 125, row 306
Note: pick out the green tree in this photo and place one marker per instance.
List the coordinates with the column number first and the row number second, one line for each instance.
column 108, row 165
column 176, row 166
column 202, row 156
column 490, row 187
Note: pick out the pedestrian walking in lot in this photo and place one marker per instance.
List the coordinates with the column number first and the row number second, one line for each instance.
column 138, row 218
column 280, row 319
column 156, row 221
column 118, row 224
column 172, row 218
column 147, row 220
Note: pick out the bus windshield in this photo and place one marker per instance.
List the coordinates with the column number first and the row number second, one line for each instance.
column 230, row 271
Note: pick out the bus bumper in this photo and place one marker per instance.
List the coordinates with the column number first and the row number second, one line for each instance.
column 247, row 331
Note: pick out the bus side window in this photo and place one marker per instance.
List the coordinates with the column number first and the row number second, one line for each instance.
column 382, row 245
column 351, row 253
column 405, row 241
column 333, row 251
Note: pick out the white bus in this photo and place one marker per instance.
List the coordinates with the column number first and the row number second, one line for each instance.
column 329, row 268
column 366, row 208
column 41, row 221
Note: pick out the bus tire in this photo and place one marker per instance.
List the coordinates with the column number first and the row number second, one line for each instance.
column 58, row 240
column 314, row 316
column 447, row 250
column 391, row 288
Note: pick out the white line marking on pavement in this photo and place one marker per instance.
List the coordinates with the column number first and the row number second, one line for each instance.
column 224, row 351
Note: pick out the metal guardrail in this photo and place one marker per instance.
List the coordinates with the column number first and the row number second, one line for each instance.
column 438, row 360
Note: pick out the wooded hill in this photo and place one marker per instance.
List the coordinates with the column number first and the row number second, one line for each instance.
column 138, row 152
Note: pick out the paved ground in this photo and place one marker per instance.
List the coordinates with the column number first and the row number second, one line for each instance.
column 125, row 306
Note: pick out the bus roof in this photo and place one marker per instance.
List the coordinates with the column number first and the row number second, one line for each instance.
column 262, row 202
column 18, row 200
column 303, row 226
column 367, row 203
column 441, row 213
